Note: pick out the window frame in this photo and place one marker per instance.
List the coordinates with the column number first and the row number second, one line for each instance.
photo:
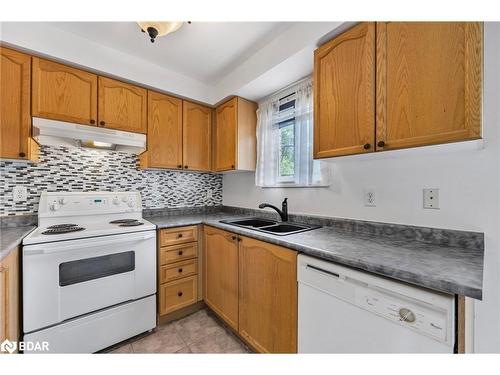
column 283, row 116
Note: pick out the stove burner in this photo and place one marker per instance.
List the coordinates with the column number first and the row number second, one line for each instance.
column 123, row 221
column 63, row 226
column 63, row 230
column 131, row 224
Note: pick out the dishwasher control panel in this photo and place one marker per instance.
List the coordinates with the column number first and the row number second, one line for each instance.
column 427, row 320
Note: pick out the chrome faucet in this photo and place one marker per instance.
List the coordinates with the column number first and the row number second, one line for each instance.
column 284, row 209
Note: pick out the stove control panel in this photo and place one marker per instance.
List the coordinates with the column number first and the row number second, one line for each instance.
column 54, row 204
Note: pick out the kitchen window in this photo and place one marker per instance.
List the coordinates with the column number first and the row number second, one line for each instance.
column 285, row 142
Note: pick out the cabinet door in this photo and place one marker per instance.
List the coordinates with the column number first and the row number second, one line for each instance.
column 428, row 83
column 15, row 119
column 268, row 296
column 196, row 137
column 9, row 297
column 164, row 131
column 221, row 274
column 63, row 93
column 344, row 93
column 226, row 135
column 122, row 106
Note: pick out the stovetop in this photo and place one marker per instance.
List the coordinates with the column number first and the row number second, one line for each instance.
column 66, row 216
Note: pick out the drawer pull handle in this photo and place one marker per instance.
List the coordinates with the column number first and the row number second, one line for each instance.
column 179, row 294
column 180, row 252
column 179, row 235
column 233, row 238
column 180, row 270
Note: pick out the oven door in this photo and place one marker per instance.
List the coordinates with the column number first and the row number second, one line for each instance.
column 63, row 280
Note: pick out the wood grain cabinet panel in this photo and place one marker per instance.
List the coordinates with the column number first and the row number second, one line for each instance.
column 197, row 140
column 268, row 296
column 9, row 297
column 344, row 93
column 171, row 254
column 63, row 93
column 15, row 98
column 235, row 135
column 164, row 131
column 178, row 294
column 221, row 274
column 122, row 106
column 428, row 83
column 174, row 236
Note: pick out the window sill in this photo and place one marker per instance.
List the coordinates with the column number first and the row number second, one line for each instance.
column 279, row 186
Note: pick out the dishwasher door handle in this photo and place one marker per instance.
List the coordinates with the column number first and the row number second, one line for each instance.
column 321, row 270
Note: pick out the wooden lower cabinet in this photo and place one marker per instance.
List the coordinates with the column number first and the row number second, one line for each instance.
column 268, row 296
column 252, row 286
column 177, row 269
column 221, row 274
column 9, row 297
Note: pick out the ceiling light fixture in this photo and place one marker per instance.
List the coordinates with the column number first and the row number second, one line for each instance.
column 158, row 28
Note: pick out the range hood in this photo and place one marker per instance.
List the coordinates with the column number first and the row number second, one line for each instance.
column 60, row 133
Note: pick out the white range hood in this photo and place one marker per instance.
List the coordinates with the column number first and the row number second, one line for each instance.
column 60, row 133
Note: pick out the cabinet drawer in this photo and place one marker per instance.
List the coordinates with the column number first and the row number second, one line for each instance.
column 178, row 294
column 176, row 236
column 171, row 254
column 178, row 270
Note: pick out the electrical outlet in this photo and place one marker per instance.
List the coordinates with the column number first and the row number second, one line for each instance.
column 370, row 198
column 20, row 193
column 431, row 198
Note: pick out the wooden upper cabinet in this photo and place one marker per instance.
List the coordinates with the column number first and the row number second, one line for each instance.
column 164, row 131
column 221, row 274
column 226, row 122
column 344, row 93
column 235, row 143
column 268, row 296
column 429, row 82
column 63, row 93
column 122, row 106
column 197, row 123
column 15, row 118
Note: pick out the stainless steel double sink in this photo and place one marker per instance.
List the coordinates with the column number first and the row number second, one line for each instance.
column 270, row 226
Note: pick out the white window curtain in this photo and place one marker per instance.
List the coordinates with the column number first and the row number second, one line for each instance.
column 307, row 172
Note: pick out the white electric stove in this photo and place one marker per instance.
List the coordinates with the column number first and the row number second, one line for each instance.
column 89, row 272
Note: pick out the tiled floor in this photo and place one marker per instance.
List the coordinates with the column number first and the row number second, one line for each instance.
column 200, row 332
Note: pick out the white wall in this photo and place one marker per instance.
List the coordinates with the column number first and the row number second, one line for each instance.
column 469, row 183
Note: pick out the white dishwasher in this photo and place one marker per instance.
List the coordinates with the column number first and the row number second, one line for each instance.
column 342, row 310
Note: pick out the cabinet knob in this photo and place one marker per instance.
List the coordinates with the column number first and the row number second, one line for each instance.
column 381, row 144
column 180, row 270
column 102, row 123
column 179, row 235
column 367, row 146
column 179, row 166
column 179, row 294
column 232, row 166
column 180, row 252
column 22, row 154
column 233, row 238
column 239, row 239
column 92, row 121
column 185, row 167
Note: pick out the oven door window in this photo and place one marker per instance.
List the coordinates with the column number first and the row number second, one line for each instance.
column 78, row 271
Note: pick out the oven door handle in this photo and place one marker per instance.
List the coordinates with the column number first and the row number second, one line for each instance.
column 43, row 249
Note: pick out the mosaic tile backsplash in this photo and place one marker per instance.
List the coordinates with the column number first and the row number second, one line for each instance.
column 75, row 169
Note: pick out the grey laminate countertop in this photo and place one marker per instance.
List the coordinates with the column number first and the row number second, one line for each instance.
column 11, row 237
column 448, row 269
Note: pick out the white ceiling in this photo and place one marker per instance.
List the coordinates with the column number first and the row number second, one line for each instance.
column 205, row 51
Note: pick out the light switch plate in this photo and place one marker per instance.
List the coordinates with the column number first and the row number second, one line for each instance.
column 20, row 193
column 431, row 198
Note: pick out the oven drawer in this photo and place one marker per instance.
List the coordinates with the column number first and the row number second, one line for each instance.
column 178, row 294
column 176, row 236
column 177, row 270
column 171, row 254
